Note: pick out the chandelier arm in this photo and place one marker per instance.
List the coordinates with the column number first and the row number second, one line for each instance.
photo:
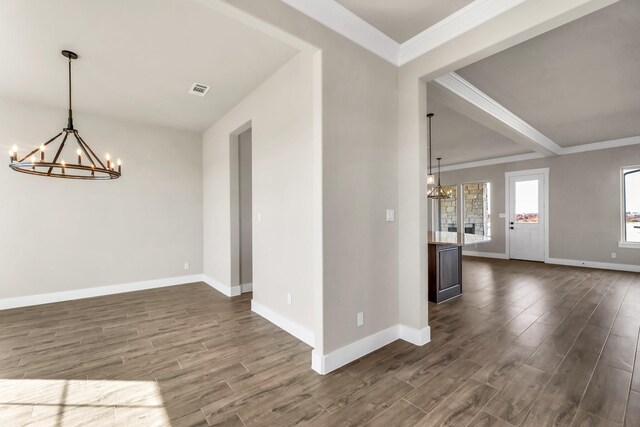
column 91, row 151
column 55, row 159
column 37, row 149
column 83, row 148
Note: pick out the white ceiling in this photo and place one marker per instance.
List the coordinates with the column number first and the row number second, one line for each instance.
column 403, row 19
column 137, row 60
column 577, row 84
column 458, row 139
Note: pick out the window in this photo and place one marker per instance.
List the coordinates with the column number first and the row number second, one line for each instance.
column 477, row 208
column 631, row 205
column 526, row 194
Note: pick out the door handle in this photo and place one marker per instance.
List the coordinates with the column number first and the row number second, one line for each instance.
column 511, row 223
column 511, row 228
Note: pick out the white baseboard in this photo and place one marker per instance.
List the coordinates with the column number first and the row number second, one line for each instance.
column 485, row 254
column 48, row 298
column 230, row 291
column 246, row 287
column 323, row 364
column 302, row 333
column 594, row 264
column 414, row 336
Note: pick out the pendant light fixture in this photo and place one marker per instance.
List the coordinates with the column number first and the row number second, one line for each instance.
column 431, row 179
column 438, row 192
column 87, row 166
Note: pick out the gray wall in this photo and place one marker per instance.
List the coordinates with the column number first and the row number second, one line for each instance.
column 280, row 113
column 62, row 235
column 584, row 203
column 246, row 252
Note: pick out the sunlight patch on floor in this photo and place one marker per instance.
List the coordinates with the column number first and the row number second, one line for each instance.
column 85, row 402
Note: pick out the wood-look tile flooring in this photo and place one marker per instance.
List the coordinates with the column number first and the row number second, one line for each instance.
column 526, row 345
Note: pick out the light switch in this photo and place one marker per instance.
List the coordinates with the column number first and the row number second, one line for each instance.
column 391, row 215
column 259, row 216
column 360, row 319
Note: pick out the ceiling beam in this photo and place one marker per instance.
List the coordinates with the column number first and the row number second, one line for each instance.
column 480, row 107
column 333, row 15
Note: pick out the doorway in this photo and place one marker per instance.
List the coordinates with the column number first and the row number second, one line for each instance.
column 245, row 211
column 527, row 205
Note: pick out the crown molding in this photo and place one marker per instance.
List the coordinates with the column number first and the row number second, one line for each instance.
column 333, row 15
column 465, row 90
column 595, row 146
column 463, row 20
column 493, row 161
column 604, row 145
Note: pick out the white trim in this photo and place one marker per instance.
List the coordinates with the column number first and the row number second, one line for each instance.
column 246, row 287
column 629, row 245
column 495, row 255
column 474, row 96
column 230, row 291
column 323, row 364
column 593, row 264
column 603, row 145
column 302, row 333
column 494, row 161
column 545, row 209
column 29, row 300
column 459, row 22
column 414, row 336
column 333, row 15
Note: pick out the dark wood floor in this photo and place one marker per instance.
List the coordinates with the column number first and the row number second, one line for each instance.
column 527, row 344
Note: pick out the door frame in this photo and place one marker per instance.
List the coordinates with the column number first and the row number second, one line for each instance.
column 545, row 208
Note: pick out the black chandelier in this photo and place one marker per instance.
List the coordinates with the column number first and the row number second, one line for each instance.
column 93, row 168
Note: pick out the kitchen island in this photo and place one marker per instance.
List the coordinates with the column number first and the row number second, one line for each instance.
column 445, row 262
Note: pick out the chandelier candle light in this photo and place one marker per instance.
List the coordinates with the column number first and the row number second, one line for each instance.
column 94, row 169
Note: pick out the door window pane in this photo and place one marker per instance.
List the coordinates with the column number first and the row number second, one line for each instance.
column 526, row 202
column 477, row 211
column 632, row 204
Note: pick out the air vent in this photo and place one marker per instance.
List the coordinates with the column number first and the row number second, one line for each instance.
column 199, row 89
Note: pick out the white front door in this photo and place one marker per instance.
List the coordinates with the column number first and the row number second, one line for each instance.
column 526, row 216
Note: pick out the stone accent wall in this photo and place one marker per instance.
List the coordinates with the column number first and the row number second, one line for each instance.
column 475, row 208
column 448, row 214
column 475, row 203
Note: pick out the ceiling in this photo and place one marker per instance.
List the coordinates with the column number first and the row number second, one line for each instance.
column 128, row 72
column 459, row 139
column 577, row 84
column 403, row 19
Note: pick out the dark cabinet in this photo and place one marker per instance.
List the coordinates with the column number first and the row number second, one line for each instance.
column 445, row 272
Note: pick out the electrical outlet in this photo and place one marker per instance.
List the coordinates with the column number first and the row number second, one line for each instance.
column 360, row 319
column 614, row 255
column 289, row 298
column 186, row 266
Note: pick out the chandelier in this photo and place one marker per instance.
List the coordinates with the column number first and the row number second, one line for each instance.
column 438, row 192
column 87, row 166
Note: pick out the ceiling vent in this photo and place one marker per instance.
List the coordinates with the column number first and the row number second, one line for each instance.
column 199, row 89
